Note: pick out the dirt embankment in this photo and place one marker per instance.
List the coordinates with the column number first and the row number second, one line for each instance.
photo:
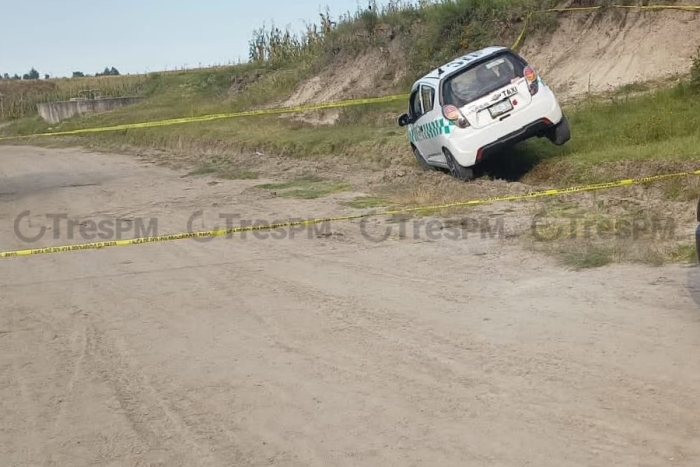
column 590, row 52
column 597, row 52
column 375, row 73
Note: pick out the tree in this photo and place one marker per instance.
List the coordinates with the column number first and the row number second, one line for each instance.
column 78, row 74
column 33, row 74
column 46, row 76
column 108, row 72
column 6, row 76
column 16, row 76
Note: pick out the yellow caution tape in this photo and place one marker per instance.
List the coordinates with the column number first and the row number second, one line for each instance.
column 331, row 105
column 474, row 202
column 522, row 33
column 207, row 118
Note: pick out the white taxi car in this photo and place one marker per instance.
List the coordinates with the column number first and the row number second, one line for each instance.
column 478, row 103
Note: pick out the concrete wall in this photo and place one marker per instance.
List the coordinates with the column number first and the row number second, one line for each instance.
column 54, row 112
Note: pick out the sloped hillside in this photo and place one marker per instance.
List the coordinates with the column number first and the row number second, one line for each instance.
column 376, row 72
column 594, row 52
column 579, row 52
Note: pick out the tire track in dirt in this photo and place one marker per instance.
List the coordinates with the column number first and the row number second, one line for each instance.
column 181, row 416
column 150, row 416
column 78, row 347
column 18, row 412
column 507, row 360
column 332, row 351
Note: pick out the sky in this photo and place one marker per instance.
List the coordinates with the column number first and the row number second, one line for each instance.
column 57, row 37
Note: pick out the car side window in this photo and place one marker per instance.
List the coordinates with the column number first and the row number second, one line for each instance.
column 427, row 97
column 416, row 111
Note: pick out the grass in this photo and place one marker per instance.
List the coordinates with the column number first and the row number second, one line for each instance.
column 600, row 229
column 695, row 71
column 223, row 170
column 632, row 88
column 659, row 127
column 670, row 114
column 366, row 202
column 588, row 256
column 684, row 253
column 588, row 253
column 581, row 254
column 204, row 169
column 233, row 174
column 306, row 187
column 682, row 190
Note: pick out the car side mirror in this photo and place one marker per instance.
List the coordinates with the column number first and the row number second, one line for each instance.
column 404, row 120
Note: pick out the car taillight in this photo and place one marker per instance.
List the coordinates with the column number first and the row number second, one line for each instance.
column 532, row 81
column 453, row 114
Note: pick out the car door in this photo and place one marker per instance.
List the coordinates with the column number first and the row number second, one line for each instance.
column 431, row 124
column 417, row 128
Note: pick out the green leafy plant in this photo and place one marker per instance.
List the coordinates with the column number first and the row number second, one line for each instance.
column 695, row 72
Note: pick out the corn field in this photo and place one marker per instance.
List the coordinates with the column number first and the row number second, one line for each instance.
column 431, row 30
column 276, row 46
column 20, row 98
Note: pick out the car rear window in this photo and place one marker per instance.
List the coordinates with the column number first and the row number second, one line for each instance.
column 478, row 81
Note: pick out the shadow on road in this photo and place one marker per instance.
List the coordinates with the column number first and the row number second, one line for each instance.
column 16, row 187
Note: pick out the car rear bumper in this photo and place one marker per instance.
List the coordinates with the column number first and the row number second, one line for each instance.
column 469, row 146
column 530, row 130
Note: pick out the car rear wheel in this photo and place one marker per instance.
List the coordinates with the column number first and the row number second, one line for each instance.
column 457, row 171
column 421, row 160
column 561, row 133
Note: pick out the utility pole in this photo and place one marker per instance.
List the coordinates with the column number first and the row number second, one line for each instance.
column 2, row 107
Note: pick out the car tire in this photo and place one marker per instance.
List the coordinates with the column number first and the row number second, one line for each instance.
column 421, row 160
column 561, row 133
column 457, row 171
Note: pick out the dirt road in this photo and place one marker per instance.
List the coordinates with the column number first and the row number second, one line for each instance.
column 321, row 351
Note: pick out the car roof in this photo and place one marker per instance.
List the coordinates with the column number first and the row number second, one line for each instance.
column 460, row 62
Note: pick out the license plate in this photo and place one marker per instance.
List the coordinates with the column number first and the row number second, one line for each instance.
column 500, row 108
